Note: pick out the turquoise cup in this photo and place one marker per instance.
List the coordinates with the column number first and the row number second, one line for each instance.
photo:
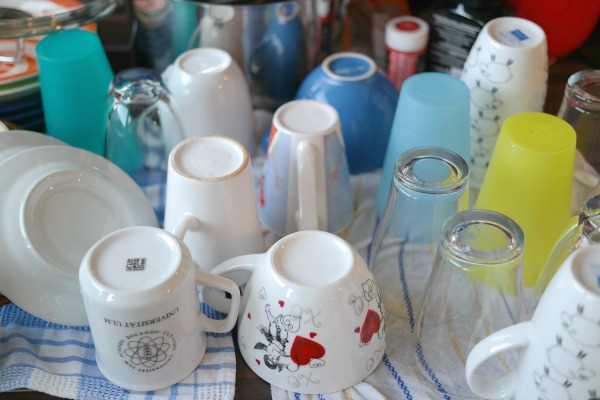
column 433, row 110
column 74, row 75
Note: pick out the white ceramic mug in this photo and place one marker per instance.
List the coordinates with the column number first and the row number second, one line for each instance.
column 561, row 343
column 311, row 319
column 139, row 288
column 210, row 190
column 212, row 94
column 306, row 182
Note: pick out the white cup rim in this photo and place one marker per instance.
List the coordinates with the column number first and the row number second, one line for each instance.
column 346, row 266
column 491, row 27
column 181, row 147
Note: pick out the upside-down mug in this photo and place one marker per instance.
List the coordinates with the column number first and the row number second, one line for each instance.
column 312, row 320
column 560, row 356
column 305, row 182
column 139, row 288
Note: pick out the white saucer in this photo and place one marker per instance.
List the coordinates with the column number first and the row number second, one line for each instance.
column 56, row 202
column 12, row 142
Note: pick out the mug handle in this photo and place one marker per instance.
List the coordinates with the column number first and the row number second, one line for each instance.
column 245, row 263
column 306, row 157
column 519, row 335
column 190, row 223
column 220, row 325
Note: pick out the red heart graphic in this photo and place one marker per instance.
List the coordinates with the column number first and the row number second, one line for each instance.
column 303, row 350
column 357, row 329
column 249, row 316
column 370, row 326
column 281, row 303
column 257, row 361
column 312, row 334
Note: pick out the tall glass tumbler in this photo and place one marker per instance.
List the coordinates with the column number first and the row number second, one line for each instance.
column 474, row 290
column 430, row 184
column 74, row 77
column 581, row 108
column 581, row 230
column 142, row 125
column 432, row 110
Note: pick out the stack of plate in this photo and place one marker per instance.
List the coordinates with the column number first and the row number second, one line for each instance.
column 20, row 98
column 56, row 202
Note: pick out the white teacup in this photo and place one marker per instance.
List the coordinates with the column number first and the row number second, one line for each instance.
column 210, row 190
column 561, row 343
column 139, row 287
column 212, row 95
column 311, row 319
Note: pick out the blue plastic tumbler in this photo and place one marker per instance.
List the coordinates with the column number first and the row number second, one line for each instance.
column 433, row 110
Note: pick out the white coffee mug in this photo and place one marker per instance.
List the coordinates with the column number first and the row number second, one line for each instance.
column 312, row 320
column 560, row 358
column 212, row 94
column 210, row 185
column 306, row 181
column 139, row 288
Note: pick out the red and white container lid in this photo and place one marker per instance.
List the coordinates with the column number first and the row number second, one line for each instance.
column 406, row 33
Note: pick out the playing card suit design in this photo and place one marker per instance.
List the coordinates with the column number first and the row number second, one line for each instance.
column 370, row 326
column 281, row 303
column 249, row 316
column 304, row 349
column 312, row 335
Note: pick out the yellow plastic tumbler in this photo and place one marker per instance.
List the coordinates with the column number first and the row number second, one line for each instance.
column 529, row 179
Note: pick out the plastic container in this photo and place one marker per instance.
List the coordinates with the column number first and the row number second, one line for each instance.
column 405, row 41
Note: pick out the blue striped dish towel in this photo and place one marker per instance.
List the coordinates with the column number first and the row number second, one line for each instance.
column 60, row 361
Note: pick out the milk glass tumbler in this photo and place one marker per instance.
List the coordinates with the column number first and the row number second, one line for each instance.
column 142, row 125
column 432, row 110
column 74, row 77
column 530, row 179
column 581, row 108
column 474, row 290
column 507, row 73
column 430, row 185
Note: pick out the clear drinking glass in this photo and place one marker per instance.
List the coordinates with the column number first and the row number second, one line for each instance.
column 581, row 230
column 581, row 108
column 142, row 125
column 475, row 289
column 429, row 185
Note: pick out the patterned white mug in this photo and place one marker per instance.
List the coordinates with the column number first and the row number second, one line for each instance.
column 561, row 343
column 311, row 319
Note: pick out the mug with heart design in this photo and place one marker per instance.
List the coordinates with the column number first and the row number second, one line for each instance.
column 311, row 318
column 560, row 356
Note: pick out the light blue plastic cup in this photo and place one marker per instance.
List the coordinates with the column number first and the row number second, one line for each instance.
column 433, row 110
column 74, row 78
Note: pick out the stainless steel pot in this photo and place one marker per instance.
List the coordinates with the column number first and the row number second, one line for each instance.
column 276, row 43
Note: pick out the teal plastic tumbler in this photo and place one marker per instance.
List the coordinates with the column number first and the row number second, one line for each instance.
column 74, row 75
column 433, row 110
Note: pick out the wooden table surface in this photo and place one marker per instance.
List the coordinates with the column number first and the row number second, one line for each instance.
column 248, row 385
